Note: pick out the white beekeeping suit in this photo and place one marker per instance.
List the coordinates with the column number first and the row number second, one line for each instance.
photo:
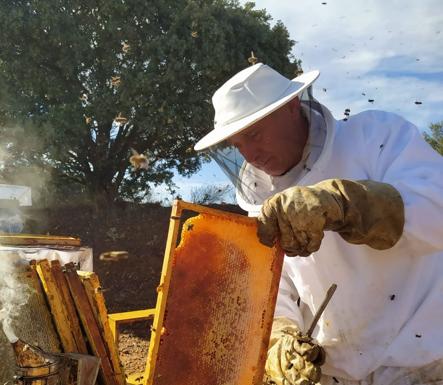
column 388, row 307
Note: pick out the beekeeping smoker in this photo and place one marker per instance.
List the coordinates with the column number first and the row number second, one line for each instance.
column 356, row 202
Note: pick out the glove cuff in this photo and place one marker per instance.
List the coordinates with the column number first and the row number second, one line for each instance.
column 282, row 326
column 373, row 212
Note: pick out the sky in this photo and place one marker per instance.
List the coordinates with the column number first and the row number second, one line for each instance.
column 388, row 51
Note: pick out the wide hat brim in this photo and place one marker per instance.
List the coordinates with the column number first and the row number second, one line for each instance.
column 217, row 135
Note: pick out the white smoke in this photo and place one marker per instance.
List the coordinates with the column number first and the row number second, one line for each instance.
column 13, row 293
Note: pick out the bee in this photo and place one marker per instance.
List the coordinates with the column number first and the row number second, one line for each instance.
column 115, row 80
column 120, row 119
column 418, row 102
column 138, row 161
column 371, row 100
column 298, row 72
column 113, row 256
column 126, row 47
column 88, row 119
column 252, row 59
column 194, row 34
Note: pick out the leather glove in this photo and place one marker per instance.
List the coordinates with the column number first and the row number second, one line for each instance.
column 362, row 212
column 293, row 359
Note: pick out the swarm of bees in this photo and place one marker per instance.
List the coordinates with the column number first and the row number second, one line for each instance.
column 138, row 161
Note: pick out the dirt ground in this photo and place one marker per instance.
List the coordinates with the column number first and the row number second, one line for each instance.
column 128, row 284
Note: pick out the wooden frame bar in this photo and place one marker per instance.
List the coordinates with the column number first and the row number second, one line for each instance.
column 117, row 319
column 96, row 299
column 174, row 227
column 90, row 326
column 74, row 322
column 56, row 303
column 34, row 240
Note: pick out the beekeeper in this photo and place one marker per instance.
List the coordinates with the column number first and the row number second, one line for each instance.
column 358, row 203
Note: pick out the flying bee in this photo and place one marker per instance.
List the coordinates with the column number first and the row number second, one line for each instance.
column 113, row 256
column 298, row 72
column 418, row 102
column 120, row 119
column 126, row 47
column 252, row 59
column 371, row 100
column 138, row 161
column 194, row 34
column 115, row 80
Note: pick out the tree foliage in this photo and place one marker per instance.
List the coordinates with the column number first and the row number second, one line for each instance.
column 435, row 138
column 69, row 68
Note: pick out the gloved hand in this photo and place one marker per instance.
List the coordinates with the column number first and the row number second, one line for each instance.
column 293, row 359
column 362, row 212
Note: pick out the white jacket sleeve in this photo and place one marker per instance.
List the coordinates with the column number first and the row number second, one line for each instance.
column 406, row 161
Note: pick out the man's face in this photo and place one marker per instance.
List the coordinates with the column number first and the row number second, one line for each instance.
column 275, row 143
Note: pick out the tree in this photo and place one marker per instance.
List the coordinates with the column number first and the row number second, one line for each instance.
column 212, row 193
column 435, row 138
column 81, row 83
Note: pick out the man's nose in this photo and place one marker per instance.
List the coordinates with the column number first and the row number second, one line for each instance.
column 250, row 152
